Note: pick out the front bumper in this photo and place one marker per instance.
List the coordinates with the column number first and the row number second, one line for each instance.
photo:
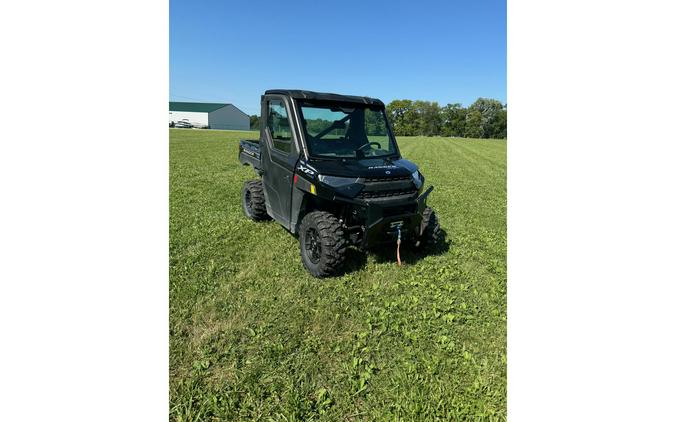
column 385, row 218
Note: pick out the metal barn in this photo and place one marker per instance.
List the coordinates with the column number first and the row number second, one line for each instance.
column 212, row 115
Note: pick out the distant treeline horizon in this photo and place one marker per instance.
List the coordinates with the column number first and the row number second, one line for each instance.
column 485, row 118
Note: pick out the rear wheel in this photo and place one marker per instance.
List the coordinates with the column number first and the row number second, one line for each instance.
column 253, row 200
column 431, row 229
column 323, row 244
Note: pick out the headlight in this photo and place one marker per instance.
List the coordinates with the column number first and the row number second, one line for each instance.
column 418, row 179
column 337, row 181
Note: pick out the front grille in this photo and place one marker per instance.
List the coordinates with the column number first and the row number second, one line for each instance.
column 388, row 187
column 386, row 193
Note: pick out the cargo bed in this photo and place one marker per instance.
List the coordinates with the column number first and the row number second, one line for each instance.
column 249, row 153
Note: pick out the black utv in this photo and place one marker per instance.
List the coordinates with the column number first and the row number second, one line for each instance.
column 332, row 174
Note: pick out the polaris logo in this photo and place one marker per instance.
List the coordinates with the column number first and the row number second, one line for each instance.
column 387, row 172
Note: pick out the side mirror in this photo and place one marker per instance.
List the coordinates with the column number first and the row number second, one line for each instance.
column 339, row 124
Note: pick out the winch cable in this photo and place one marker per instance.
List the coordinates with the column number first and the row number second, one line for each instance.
column 398, row 247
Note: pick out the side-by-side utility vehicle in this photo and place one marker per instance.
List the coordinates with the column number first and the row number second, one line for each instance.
column 332, row 174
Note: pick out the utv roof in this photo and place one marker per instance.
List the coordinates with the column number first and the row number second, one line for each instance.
column 324, row 96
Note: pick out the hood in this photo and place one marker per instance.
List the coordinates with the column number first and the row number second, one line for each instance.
column 369, row 167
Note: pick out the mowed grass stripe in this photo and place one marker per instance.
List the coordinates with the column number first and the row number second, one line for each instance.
column 253, row 336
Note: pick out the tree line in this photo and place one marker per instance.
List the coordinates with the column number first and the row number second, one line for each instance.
column 485, row 118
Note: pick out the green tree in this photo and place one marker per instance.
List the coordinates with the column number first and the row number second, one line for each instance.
column 453, row 118
column 474, row 124
column 489, row 111
column 498, row 127
column 428, row 118
column 402, row 117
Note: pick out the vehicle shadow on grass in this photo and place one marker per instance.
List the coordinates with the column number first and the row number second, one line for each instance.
column 356, row 260
column 409, row 253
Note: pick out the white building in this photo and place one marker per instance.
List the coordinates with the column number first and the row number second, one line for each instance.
column 213, row 115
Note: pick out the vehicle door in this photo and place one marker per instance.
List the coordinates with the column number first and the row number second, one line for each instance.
column 279, row 157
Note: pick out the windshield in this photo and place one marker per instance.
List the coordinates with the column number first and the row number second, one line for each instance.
column 346, row 131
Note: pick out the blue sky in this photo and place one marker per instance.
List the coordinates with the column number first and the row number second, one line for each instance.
column 232, row 51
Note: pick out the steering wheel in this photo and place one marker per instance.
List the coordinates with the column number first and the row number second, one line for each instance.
column 369, row 144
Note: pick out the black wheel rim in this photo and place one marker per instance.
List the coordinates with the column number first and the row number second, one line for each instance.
column 313, row 245
column 247, row 201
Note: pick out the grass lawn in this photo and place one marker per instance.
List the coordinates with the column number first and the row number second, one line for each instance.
column 254, row 337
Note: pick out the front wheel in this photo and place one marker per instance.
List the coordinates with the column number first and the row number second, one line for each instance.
column 431, row 229
column 323, row 244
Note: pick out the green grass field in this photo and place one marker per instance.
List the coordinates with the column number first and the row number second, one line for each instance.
column 254, row 337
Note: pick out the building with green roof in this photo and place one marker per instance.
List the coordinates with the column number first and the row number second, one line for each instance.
column 211, row 115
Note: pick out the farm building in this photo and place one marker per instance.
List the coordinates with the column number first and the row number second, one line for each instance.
column 213, row 115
